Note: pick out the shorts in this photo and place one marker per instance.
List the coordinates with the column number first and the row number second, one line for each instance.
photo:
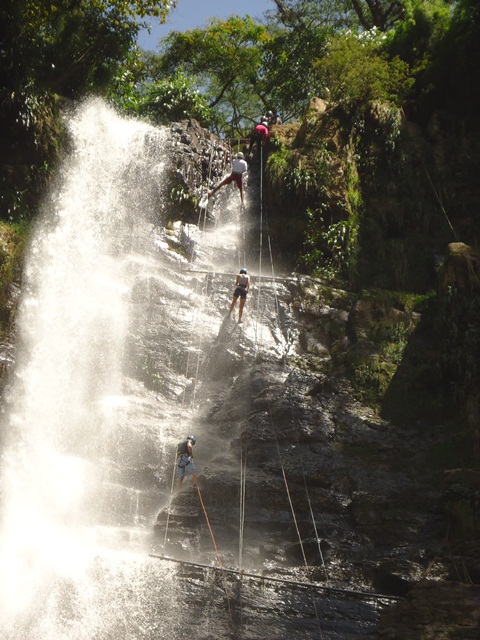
column 234, row 177
column 184, row 464
column 240, row 292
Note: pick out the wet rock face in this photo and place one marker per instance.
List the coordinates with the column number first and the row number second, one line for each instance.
column 269, row 394
column 434, row 610
column 198, row 161
column 265, row 395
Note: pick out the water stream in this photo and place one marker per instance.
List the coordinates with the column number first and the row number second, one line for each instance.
column 62, row 574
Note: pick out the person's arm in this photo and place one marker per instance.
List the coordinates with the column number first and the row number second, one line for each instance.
column 248, row 284
column 190, row 449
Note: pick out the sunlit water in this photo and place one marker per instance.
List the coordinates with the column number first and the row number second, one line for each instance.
column 60, row 576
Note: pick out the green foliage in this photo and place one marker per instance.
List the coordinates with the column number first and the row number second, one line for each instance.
column 289, row 56
column 461, row 345
column 32, row 134
column 173, row 99
column 13, row 240
column 69, row 48
column 381, row 14
column 392, row 357
column 371, row 380
column 125, row 90
column 357, row 71
column 224, row 61
column 299, row 176
column 452, row 78
column 52, row 49
column 329, row 249
column 416, row 38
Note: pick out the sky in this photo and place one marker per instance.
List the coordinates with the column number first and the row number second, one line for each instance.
column 191, row 14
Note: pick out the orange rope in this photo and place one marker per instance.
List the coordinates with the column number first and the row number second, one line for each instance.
column 218, row 557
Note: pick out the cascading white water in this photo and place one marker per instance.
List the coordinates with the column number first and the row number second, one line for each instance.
column 65, row 398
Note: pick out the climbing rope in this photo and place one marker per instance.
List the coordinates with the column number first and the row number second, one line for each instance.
column 314, row 526
column 201, row 225
column 442, row 208
column 312, row 515
column 307, row 568
column 243, row 475
column 260, row 249
column 219, row 560
column 277, row 307
column 204, row 298
column 170, row 503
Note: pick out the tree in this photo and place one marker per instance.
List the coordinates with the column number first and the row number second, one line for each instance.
column 382, row 14
column 289, row 59
column 366, row 14
column 222, row 59
column 69, row 45
column 357, row 70
column 51, row 48
column 173, row 99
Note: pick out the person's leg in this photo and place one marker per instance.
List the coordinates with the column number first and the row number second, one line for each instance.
column 192, row 471
column 232, row 305
column 180, row 475
column 239, row 183
column 240, row 310
column 240, row 188
column 225, row 181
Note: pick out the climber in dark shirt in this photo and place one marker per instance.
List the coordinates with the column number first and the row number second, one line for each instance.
column 242, row 285
column 185, row 460
column 273, row 118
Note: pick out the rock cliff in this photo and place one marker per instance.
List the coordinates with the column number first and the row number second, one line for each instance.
column 318, row 405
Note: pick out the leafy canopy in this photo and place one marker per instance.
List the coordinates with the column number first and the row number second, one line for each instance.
column 223, row 59
column 357, row 70
column 69, row 47
column 173, row 99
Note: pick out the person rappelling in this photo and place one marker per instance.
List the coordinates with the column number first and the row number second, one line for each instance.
column 239, row 167
column 185, row 460
column 242, row 286
column 259, row 136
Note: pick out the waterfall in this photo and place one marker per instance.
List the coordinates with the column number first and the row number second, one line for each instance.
column 122, row 349
column 65, row 403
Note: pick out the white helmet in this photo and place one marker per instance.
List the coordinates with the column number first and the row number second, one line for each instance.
column 240, row 155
